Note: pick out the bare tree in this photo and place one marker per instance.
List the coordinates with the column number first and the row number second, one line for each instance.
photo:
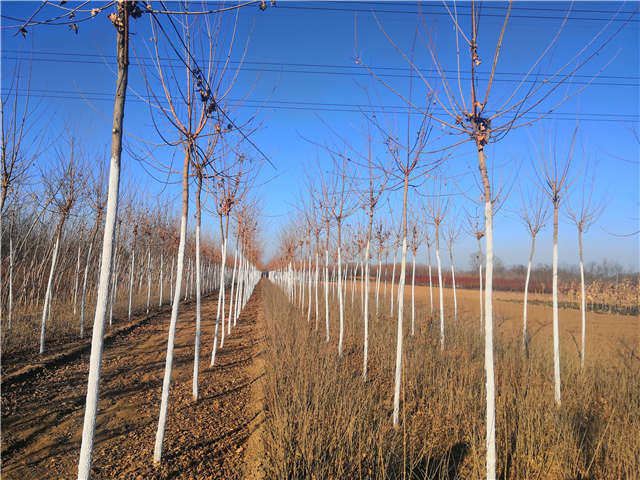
column 554, row 173
column 535, row 215
column 584, row 214
column 64, row 190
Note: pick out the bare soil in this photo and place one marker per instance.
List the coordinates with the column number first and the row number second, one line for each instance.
column 42, row 413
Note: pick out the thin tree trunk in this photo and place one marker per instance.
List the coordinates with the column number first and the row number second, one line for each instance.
column 10, row 310
column 440, row 286
column 526, row 294
column 393, row 279
column 366, row 310
column 47, row 296
column 161, row 280
column 340, row 293
column 326, row 290
column 164, row 403
column 488, row 324
column 196, row 355
column 480, row 278
column 453, row 284
column 401, row 282
column 582, row 301
column 133, row 266
column 93, row 383
column 556, row 332
column 75, row 285
column 413, row 291
column 84, row 285
column 316, row 288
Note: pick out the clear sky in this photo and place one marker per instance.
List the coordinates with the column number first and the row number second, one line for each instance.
column 300, row 76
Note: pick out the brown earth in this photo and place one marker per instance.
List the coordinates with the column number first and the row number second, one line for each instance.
column 42, row 414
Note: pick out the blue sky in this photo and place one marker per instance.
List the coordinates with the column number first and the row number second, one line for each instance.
column 301, row 57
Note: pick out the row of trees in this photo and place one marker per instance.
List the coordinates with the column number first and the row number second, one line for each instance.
column 466, row 107
column 193, row 118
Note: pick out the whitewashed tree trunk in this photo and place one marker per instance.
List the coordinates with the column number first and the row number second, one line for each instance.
column 131, row 271
column 430, row 287
column 148, row 280
column 401, row 282
column 526, row 294
column 366, row 311
column 393, row 278
column 480, row 278
column 84, row 281
column 326, row 293
column 196, row 356
column 233, row 281
column 47, row 296
column 309, row 293
column 413, row 296
column 556, row 330
column 378, row 281
column 95, row 360
column 582, row 302
column 490, row 443
column 161, row 280
column 453, row 284
column 114, row 288
column 75, row 285
column 488, row 346
column 164, row 402
column 173, row 262
column 440, row 286
column 340, row 295
column 10, row 301
column 316, row 289
column 220, row 306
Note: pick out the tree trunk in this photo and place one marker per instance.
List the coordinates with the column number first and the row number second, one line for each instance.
column 430, row 280
column 378, row 281
column 316, row 288
column 525, row 340
column 161, row 280
column 453, row 284
column 75, row 285
column 196, row 355
column 326, row 291
column 95, row 360
column 403, row 266
column 366, row 311
column 133, row 266
column 413, row 301
column 393, row 279
column 10, row 309
column 84, row 288
column 440, row 286
column 488, row 324
column 582, row 305
column 148, row 279
column 340, row 292
column 556, row 332
column 480, row 278
column 47, row 296
column 164, row 403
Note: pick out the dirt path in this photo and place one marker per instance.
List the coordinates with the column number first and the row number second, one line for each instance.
column 42, row 415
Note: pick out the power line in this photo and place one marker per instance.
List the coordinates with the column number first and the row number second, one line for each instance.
column 452, row 75
column 444, row 13
column 338, row 107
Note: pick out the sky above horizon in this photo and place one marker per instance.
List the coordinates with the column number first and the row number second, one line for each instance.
column 299, row 84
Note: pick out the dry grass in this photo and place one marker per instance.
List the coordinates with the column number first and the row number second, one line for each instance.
column 323, row 421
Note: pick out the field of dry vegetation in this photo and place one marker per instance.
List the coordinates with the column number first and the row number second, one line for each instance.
column 324, row 421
